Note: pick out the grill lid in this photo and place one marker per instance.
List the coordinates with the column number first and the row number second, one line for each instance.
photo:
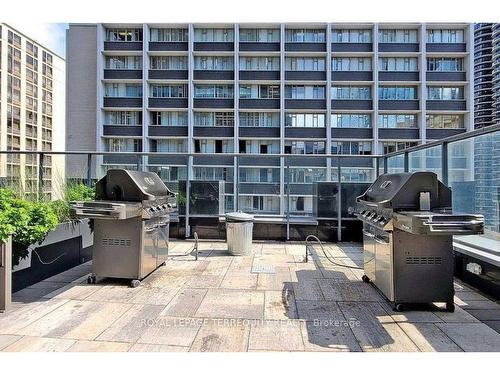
column 131, row 186
column 401, row 191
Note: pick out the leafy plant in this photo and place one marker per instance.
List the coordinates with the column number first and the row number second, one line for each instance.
column 73, row 192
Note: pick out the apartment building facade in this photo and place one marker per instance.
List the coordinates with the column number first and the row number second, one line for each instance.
column 32, row 113
column 263, row 89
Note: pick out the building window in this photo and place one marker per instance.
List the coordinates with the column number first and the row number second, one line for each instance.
column 213, row 35
column 260, row 35
column 445, row 93
column 397, row 121
column 213, row 63
column 305, row 64
column 307, row 175
column 123, row 118
column 304, row 92
column 306, row 148
column 389, row 147
column 351, row 148
column 305, row 120
column 351, row 92
column 259, row 147
column 211, row 146
column 259, row 91
column 397, row 93
column 445, row 121
column 169, row 62
column 168, row 35
column 169, row 145
column 352, row 64
column 213, row 91
column 214, row 119
column 305, row 36
column 123, row 90
column 259, row 63
column 262, row 175
column 397, row 36
column 445, row 36
column 123, row 145
column 351, row 120
column 351, row 36
column 259, row 119
column 213, row 173
column 124, row 62
column 123, row 35
column 170, row 118
column 398, row 64
column 445, row 64
column 169, row 91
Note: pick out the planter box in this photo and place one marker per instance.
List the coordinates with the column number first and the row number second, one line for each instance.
column 67, row 246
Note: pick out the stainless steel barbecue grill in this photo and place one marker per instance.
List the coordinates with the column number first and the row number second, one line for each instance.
column 131, row 224
column 407, row 237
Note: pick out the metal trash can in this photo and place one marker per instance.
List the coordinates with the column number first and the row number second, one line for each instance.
column 239, row 226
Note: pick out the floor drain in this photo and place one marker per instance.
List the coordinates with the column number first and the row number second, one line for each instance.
column 263, row 269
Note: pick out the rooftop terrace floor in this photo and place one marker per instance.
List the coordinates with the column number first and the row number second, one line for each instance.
column 270, row 301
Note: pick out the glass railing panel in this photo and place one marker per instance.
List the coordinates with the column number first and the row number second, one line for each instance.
column 428, row 159
column 474, row 177
column 395, row 164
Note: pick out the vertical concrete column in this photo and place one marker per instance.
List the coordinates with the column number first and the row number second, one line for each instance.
column 100, row 35
column 423, row 83
column 469, row 89
column 328, row 115
column 189, row 166
column 236, row 96
column 376, row 148
column 145, row 93
column 282, row 118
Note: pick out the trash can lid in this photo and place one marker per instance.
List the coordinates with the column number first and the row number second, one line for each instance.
column 239, row 216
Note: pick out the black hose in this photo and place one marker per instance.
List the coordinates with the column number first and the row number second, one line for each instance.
column 326, row 255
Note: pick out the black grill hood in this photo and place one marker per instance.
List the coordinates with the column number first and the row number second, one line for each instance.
column 131, row 186
column 401, row 191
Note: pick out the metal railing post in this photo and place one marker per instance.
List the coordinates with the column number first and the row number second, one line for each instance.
column 377, row 166
column 89, row 170
column 187, row 228
column 444, row 163
column 339, row 200
column 406, row 162
column 237, row 186
column 385, row 164
column 40, row 175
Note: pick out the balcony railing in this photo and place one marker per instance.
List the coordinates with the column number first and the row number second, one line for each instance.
column 469, row 163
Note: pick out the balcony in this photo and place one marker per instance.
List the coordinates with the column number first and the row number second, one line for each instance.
column 168, row 102
column 168, row 74
column 351, row 104
column 352, row 47
column 351, row 76
column 214, row 46
column 259, row 103
column 123, row 46
column 122, row 74
column 396, row 105
column 399, row 76
column 398, row 47
column 221, row 75
column 305, row 47
column 123, row 102
column 446, row 47
column 256, row 75
column 446, row 105
column 305, row 103
column 305, row 76
column 213, row 103
column 123, row 130
column 259, row 47
column 168, row 46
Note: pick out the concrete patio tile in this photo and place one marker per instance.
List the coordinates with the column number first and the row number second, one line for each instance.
column 276, row 335
column 240, row 266
column 6, row 340
column 459, row 316
column 472, row 337
column 185, row 303
column 328, row 337
column 274, row 281
column 132, row 324
column 307, row 290
column 338, row 273
column 47, row 285
column 13, row 321
column 276, row 260
column 205, row 281
column 83, row 320
column 229, row 303
column 304, row 271
column 295, row 249
column 374, row 328
column 39, row 344
column 113, row 293
column 493, row 314
column 340, row 290
column 217, row 267
column 480, row 305
column 494, row 324
column 429, row 338
column 280, row 305
column 218, row 336
column 165, row 280
column 171, row 331
column 74, row 291
column 470, row 296
column 411, row 316
column 182, row 267
column 322, row 312
column 273, row 249
column 99, row 346
column 154, row 296
column 158, row 348
column 68, row 278
column 231, row 281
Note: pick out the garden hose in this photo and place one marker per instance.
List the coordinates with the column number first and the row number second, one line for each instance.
column 307, row 243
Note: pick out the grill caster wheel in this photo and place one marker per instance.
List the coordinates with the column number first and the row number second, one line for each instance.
column 92, row 279
column 450, row 307
column 135, row 283
column 398, row 307
column 365, row 279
